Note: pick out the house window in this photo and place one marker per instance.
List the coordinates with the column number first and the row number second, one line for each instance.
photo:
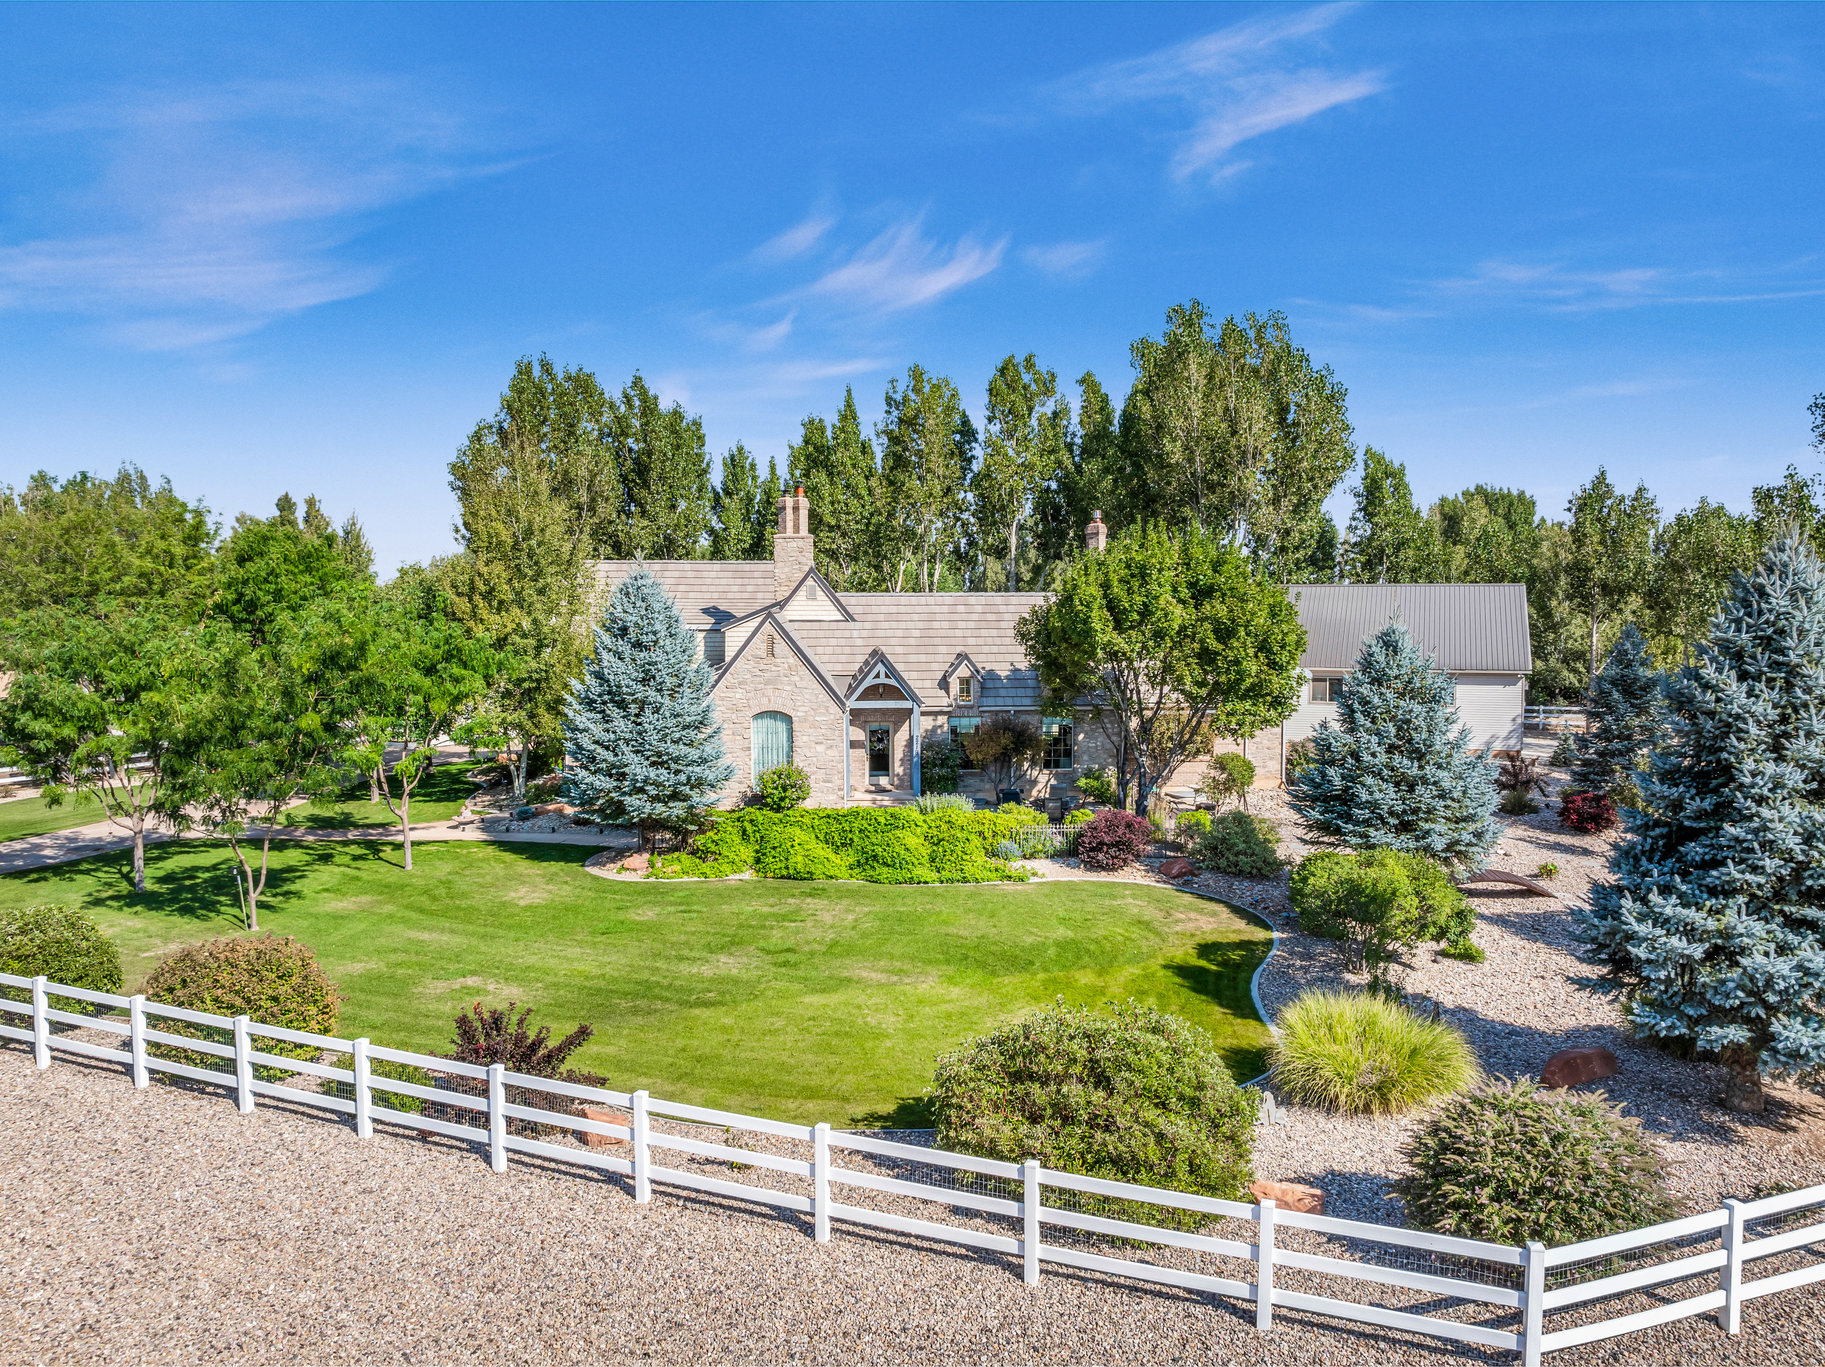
column 966, row 688
column 1058, row 743
column 771, row 737
column 1328, row 688
column 961, row 727
column 770, row 645
column 712, row 647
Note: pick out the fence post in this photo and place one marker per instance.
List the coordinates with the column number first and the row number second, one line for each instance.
column 1264, row 1268
column 243, row 1067
column 364, row 1094
column 1533, row 1311
column 41, row 1024
column 1029, row 1209
column 643, row 1182
column 1730, row 1313
column 820, row 1182
column 497, row 1117
column 136, row 1039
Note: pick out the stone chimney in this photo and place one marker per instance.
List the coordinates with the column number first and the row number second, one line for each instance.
column 1096, row 535
column 791, row 542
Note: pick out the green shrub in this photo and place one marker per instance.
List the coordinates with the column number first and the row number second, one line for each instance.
column 1518, row 802
column 62, row 945
column 939, row 764
column 1022, row 814
column 272, row 978
column 1548, row 870
column 783, row 787
column 1360, row 1053
column 1380, row 902
column 1113, row 840
column 1098, row 785
column 1079, row 816
column 790, row 851
column 1465, row 951
column 1135, row 1095
column 897, row 854
column 719, row 852
column 1510, row 1162
column 1228, row 779
column 1241, row 845
column 1191, row 825
column 1300, row 756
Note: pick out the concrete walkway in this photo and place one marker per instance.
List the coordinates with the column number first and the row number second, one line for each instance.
column 104, row 837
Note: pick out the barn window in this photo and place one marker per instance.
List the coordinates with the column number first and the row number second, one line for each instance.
column 771, row 735
column 1327, row 689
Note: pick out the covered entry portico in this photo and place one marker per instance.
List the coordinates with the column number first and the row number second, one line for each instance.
column 883, row 718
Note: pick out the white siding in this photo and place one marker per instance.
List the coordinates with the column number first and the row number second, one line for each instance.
column 811, row 604
column 1493, row 706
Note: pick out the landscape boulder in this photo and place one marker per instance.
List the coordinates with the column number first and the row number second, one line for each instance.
column 637, row 863
column 1569, row 1067
column 553, row 809
column 1178, row 867
column 1289, row 1196
column 606, row 1117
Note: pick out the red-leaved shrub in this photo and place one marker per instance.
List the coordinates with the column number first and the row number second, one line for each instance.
column 1113, row 840
column 1587, row 812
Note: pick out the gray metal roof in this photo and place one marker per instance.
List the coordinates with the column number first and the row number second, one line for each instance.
column 1467, row 628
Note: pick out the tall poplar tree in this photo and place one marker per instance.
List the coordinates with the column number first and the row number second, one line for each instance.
column 1611, row 560
column 835, row 463
column 928, row 451
column 1713, row 926
column 665, row 478
column 744, row 509
column 1389, row 540
column 1024, row 445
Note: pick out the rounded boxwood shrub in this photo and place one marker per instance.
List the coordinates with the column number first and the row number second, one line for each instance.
column 1362, row 1054
column 788, row 850
column 1191, row 825
column 272, row 978
column 1228, row 778
column 60, row 944
column 1587, row 813
column 1510, row 1162
column 1113, row 840
column 1241, row 845
column 783, row 787
column 1134, row 1095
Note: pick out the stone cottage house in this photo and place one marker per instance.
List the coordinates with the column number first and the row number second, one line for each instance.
column 852, row 686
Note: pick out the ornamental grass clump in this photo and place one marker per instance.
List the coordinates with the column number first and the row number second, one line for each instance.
column 62, row 945
column 1511, row 1162
column 1362, row 1054
column 272, row 978
column 1133, row 1095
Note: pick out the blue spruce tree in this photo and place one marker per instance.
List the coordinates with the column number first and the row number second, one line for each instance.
column 1395, row 772
column 1714, row 926
column 639, row 726
column 1628, row 709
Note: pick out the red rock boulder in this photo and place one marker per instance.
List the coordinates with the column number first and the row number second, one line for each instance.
column 1177, row 868
column 637, row 863
column 1569, row 1067
column 1289, row 1196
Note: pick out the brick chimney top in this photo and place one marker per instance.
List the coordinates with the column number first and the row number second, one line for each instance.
column 1096, row 535
column 791, row 542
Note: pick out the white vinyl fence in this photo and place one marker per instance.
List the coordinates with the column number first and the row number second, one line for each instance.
column 1463, row 1290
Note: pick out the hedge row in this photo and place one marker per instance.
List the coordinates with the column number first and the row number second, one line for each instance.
column 873, row 844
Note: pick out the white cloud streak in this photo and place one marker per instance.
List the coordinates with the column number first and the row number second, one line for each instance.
column 1238, row 84
column 902, row 269
column 1070, row 260
column 209, row 216
column 801, row 238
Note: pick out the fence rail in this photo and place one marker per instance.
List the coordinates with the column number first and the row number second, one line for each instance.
column 1551, row 718
column 1036, row 1214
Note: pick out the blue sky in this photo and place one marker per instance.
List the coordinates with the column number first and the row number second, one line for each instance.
column 270, row 248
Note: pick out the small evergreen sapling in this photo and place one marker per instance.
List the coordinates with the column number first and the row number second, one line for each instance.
column 640, row 726
column 1713, row 927
column 1628, row 711
column 1394, row 772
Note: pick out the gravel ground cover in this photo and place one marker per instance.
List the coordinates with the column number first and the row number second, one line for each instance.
column 160, row 1226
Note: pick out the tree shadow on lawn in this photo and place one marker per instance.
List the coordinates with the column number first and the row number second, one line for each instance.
column 1220, row 973
column 179, row 886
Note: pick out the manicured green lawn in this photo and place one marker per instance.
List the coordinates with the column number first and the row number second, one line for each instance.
column 23, row 816
column 801, row 1001
column 437, row 797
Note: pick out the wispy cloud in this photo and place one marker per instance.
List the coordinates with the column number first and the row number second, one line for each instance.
column 206, row 216
column 1557, row 286
column 902, row 269
column 1237, row 84
column 796, row 241
column 1071, row 260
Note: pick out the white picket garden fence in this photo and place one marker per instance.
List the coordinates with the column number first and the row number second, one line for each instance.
column 1703, row 1262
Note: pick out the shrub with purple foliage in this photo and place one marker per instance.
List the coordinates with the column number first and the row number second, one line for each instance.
column 1113, row 840
column 1587, row 812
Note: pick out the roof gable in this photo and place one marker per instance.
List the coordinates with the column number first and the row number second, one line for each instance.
column 1466, row 628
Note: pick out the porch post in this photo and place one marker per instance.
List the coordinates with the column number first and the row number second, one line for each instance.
column 848, row 791
column 916, row 748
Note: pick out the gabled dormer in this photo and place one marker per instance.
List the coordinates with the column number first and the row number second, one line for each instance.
column 962, row 684
column 813, row 600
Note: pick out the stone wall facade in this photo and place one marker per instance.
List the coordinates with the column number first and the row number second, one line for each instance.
column 758, row 682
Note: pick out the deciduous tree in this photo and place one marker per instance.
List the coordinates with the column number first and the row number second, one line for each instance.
column 1611, row 559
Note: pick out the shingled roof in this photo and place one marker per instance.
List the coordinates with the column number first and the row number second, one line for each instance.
column 710, row 593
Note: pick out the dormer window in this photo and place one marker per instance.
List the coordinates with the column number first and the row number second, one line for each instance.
column 966, row 688
column 810, row 591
